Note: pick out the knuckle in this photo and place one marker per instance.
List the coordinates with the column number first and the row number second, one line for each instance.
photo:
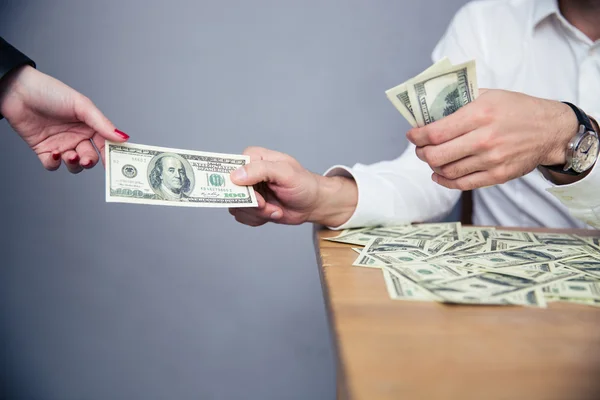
column 449, row 171
column 495, row 157
column 499, row 175
column 486, row 114
column 84, row 100
column 485, row 142
column 436, row 136
column 463, row 185
column 430, row 156
column 285, row 169
column 411, row 135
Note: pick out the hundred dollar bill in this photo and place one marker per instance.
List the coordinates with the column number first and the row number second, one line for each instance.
column 588, row 302
column 558, row 239
column 422, row 273
column 532, row 254
column 516, row 236
column 594, row 241
column 362, row 236
column 387, row 245
column 400, row 288
column 398, row 95
column 143, row 174
column 499, row 284
column 441, row 93
column 499, row 244
column 588, row 265
column 398, row 257
column 531, row 298
column 444, row 231
column 581, row 287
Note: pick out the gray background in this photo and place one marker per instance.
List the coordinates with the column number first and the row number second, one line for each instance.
column 113, row 301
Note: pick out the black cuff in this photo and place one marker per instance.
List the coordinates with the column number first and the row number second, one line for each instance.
column 11, row 58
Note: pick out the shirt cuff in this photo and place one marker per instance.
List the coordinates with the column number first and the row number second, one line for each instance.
column 581, row 197
column 373, row 201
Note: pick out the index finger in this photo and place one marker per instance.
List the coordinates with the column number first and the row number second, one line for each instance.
column 462, row 121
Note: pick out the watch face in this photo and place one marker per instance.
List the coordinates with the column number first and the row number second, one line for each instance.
column 586, row 153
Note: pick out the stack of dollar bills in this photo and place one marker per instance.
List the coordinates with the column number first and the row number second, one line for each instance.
column 450, row 263
column 437, row 92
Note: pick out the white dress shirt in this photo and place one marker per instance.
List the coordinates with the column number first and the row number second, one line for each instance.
column 519, row 45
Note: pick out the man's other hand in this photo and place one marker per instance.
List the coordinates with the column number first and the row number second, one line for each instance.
column 500, row 136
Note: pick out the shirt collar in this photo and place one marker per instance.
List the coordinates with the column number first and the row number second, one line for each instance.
column 543, row 9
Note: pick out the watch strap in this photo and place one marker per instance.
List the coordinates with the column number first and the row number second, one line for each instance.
column 582, row 119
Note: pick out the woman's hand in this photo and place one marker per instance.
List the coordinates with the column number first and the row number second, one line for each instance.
column 56, row 121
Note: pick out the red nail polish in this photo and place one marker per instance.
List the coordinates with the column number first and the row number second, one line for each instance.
column 56, row 156
column 88, row 164
column 122, row 134
column 74, row 160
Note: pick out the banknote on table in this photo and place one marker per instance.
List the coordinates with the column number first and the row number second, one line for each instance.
column 495, row 286
column 582, row 287
column 520, row 256
column 403, row 289
column 589, row 265
column 451, row 263
column 446, row 231
column 587, row 302
column 143, row 174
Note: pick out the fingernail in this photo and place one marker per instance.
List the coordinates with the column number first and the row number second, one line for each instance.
column 434, row 178
column 56, row 156
column 122, row 134
column 239, row 174
column 74, row 160
column 87, row 164
column 276, row 215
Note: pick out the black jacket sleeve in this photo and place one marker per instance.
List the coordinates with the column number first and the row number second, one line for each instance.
column 11, row 58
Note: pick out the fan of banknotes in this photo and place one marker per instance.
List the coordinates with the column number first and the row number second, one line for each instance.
column 436, row 92
column 450, row 263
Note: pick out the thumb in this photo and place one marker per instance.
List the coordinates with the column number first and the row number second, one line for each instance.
column 262, row 171
column 88, row 113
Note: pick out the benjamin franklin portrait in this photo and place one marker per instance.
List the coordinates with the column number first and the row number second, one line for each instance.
column 171, row 177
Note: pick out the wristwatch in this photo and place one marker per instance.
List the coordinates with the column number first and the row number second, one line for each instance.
column 582, row 150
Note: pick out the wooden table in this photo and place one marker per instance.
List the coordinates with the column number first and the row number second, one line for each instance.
column 393, row 349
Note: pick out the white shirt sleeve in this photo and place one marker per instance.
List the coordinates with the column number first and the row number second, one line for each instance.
column 401, row 191
column 582, row 198
column 396, row 192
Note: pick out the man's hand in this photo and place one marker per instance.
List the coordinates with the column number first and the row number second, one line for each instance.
column 56, row 121
column 287, row 193
column 500, row 136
